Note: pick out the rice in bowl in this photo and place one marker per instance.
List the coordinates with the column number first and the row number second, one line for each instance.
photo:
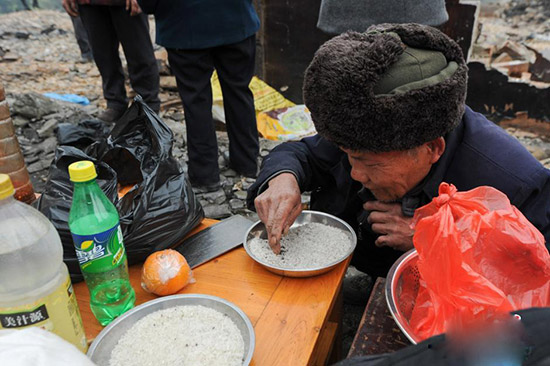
column 191, row 335
column 311, row 245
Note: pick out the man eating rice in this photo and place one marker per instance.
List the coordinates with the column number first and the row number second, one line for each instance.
column 389, row 108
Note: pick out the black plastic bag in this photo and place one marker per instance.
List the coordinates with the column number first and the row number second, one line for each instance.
column 156, row 213
column 83, row 134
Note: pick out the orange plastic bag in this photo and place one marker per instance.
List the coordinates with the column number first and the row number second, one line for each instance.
column 478, row 258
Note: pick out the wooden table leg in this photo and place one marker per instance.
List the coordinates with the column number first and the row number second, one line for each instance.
column 336, row 317
column 329, row 346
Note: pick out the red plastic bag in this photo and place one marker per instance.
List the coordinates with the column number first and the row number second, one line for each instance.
column 479, row 259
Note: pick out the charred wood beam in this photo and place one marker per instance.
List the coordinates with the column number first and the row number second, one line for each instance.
column 462, row 21
column 492, row 93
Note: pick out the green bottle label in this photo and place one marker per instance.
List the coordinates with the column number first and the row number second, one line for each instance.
column 100, row 252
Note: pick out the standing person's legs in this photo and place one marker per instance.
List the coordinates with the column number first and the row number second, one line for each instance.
column 133, row 33
column 104, row 43
column 82, row 39
column 235, row 66
column 193, row 70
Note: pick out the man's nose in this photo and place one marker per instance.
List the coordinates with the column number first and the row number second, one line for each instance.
column 359, row 175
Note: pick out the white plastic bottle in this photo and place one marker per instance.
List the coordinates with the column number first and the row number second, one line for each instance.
column 35, row 287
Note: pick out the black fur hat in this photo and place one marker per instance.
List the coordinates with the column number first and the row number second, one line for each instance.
column 339, row 89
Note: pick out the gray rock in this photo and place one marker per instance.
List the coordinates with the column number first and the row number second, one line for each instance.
column 240, row 194
column 247, row 182
column 178, row 128
column 217, row 197
column 30, row 134
column 47, row 128
column 33, row 105
column 20, row 121
column 178, row 116
column 29, row 159
column 217, row 211
column 48, row 145
column 177, row 152
column 236, row 204
column 75, row 115
column 41, row 164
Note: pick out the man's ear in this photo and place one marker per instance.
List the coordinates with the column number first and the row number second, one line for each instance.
column 436, row 148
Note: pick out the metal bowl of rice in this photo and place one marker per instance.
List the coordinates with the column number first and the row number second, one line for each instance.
column 324, row 242
column 102, row 351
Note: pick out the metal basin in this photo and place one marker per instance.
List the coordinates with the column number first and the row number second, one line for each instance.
column 258, row 230
column 403, row 275
column 101, row 348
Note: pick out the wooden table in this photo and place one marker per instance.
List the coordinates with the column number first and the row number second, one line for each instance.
column 377, row 333
column 296, row 320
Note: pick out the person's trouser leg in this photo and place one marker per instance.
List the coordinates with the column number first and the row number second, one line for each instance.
column 235, row 66
column 133, row 34
column 193, row 70
column 81, row 37
column 104, row 42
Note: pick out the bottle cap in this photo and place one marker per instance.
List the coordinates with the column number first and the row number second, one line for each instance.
column 6, row 187
column 82, row 171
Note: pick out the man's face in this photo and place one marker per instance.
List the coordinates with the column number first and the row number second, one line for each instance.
column 390, row 175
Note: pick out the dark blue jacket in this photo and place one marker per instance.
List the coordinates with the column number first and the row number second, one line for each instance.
column 477, row 153
column 198, row 24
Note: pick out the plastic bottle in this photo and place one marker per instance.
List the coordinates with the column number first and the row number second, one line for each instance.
column 35, row 287
column 94, row 225
column 11, row 158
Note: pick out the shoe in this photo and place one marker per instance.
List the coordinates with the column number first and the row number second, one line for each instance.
column 111, row 115
column 198, row 189
column 85, row 58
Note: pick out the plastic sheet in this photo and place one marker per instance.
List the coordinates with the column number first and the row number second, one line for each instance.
column 159, row 209
column 479, row 258
column 71, row 98
column 286, row 124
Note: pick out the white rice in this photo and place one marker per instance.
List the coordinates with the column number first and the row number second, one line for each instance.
column 311, row 245
column 190, row 335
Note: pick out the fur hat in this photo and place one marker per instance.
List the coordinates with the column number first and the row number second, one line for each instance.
column 340, row 83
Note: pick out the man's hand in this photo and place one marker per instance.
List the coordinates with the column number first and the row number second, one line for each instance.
column 133, row 7
column 70, row 7
column 278, row 207
column 388, row 220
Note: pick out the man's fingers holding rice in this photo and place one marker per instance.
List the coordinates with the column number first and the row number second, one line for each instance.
column 278, row 206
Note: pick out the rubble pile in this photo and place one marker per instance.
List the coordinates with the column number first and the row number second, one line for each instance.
column 514, row 38
column 529, row 11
